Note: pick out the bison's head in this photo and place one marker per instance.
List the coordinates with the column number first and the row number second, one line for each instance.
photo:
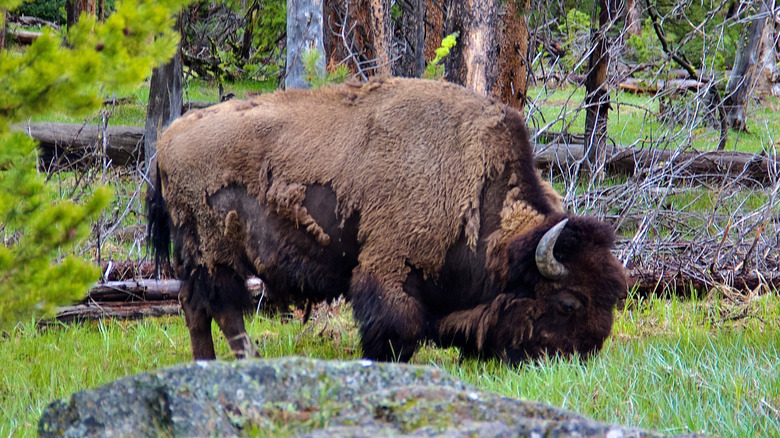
column 562, row 287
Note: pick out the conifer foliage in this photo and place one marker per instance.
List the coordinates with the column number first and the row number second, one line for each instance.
column 38, row 230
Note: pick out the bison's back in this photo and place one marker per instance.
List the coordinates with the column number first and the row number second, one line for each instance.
column 411, row 157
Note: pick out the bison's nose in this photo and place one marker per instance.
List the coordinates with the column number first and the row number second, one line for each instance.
column 568, row 304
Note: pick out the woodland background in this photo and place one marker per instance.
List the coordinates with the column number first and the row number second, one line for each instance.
column 659, row 117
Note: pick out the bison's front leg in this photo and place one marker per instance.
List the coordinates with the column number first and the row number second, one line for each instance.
column 391, row 320
column 223, row 296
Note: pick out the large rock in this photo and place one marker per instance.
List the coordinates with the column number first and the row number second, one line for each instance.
column 307, row 397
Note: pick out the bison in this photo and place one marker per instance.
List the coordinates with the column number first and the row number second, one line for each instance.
column 417, row 200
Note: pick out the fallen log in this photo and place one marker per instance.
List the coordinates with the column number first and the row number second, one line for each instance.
column 135, row 310
column 757, row 168
column 641, row 86
column 25, row 37
column 134, row 290
column 64, row 144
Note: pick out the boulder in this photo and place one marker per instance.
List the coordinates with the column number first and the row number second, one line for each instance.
column 307, row 398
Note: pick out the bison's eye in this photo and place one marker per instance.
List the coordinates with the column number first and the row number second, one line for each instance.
column 568, row 304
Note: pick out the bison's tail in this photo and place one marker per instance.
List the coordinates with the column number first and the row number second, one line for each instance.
column 158, row 232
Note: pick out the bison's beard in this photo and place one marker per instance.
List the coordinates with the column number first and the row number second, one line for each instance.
column 518, row 330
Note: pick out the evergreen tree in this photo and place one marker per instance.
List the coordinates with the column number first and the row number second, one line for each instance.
column 50, row 77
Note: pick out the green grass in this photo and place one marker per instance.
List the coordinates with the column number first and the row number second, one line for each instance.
column 634, row 120
column 676, row 366
column 130, row 110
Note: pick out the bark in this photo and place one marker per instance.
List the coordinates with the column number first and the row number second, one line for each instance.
column 347, row 36
column 435, row 27
column 641, row 86
column 513, row 55
column 759, row 169
column 23, row 36
column 83, row 312
column 768, row 71
column 134, row 299
column 134, row 290
column 410, row 39
column 3, row 27
column 304, row 34
column 596, row 88
column 165, row 103
column 74, row 8
column 633, row 17
column 473, row 62
column 743, row 74
column 64, row 144
column 249, row 31
column 381, row 25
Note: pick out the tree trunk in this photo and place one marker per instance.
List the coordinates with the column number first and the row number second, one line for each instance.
column 435, row 27
column 596, row 87
column 3, row 27
column 304, row 34
column 513, row 55
column 768, row 71
column 165, row 102
column 633, row 17
column 742, row 77
column 381, row 25
column 473, row 62
column 410, row 37
column 74, row 8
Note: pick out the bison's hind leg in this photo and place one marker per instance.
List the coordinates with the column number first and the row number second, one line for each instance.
column 391, row 321
column 221, row 295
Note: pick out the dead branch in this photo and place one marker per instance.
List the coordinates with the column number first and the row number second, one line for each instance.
column 134, row 299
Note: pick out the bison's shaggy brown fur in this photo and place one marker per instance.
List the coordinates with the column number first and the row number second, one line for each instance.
column 416, row 199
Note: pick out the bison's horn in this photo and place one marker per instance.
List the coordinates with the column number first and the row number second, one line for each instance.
column 545, row 260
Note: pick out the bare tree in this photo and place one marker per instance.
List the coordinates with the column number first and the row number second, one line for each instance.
column 304, row 34
column 743, row 77
column 3, row 27
column 513, row 62
column 409, row 41
column 381, row 25
column 633, row 17
column 596, row 86
column 74, row 8
column 165, row 102
column 473, row 61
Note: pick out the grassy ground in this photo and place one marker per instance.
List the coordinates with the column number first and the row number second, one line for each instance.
column 676, row 366
column 637, row 120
